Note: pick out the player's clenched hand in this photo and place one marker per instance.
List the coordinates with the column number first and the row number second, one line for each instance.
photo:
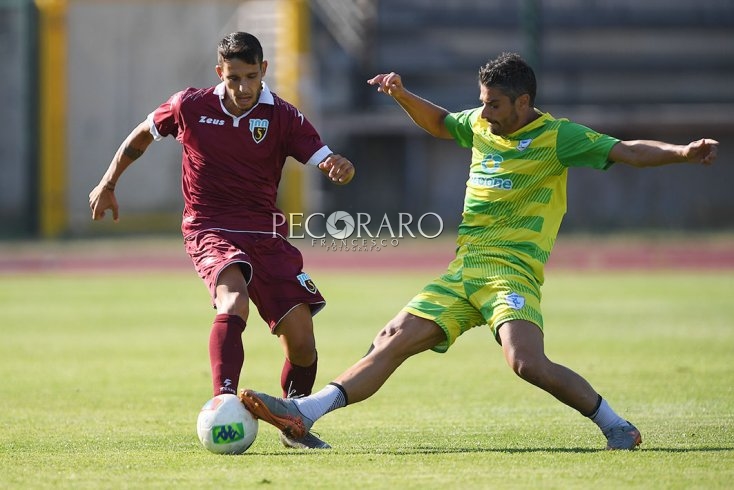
column 337, row 168
column 102, row 198
column 702, row 151
column 389, row 83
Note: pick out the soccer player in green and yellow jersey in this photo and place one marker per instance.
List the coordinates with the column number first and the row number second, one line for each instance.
column 515, row 200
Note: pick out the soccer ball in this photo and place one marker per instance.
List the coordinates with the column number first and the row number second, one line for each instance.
column 225, row 426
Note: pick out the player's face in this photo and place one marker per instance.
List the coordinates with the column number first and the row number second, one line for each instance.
column 243, row 83
column 503, row 115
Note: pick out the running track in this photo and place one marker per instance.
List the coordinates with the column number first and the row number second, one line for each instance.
column 707, row 252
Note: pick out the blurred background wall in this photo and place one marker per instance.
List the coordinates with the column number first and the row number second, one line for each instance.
column 78, row 75
column 17, row 138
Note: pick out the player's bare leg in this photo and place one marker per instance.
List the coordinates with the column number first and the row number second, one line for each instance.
column 404, row 336
column 523, row 347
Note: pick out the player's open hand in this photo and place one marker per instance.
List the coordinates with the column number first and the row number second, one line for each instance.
column 702, row 151
column 338, row 169
column 388, row 83
column 101, row 199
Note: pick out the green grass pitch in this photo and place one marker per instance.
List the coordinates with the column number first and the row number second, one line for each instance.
column 102, row 377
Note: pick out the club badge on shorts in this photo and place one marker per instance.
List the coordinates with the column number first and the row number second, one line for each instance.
column 306, row 282
column 515, row 301
column 259, row 128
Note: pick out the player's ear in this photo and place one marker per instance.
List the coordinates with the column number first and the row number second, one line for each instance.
column 522, row 101
column 218, row 69
column 264, row 67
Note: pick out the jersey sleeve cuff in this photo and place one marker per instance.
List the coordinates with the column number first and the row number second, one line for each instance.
column 153, row 130
column 319, row 156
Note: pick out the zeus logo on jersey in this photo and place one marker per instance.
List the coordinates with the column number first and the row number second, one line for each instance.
column 259, row 128
column 211, row 120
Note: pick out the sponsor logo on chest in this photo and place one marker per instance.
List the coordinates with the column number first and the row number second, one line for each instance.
column 490, row 164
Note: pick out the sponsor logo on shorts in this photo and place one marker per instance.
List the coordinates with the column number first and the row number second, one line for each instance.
column 259, row 128
column 515, row 301
column 306, row 282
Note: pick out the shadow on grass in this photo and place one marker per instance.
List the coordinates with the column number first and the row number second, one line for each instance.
column 460, row 450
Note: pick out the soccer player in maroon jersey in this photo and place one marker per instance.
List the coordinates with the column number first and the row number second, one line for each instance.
column 235, row 138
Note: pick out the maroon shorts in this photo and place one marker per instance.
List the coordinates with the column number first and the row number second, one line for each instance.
column 273, row 269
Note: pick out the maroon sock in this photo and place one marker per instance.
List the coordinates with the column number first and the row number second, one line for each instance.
column 226, row 353
column 297, row 380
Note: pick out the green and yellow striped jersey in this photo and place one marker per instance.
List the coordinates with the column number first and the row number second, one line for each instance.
column 516, row 192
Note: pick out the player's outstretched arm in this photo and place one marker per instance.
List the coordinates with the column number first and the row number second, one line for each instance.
column 338, row 169
column 646, row 153
column 424, row 113
column 102, row 197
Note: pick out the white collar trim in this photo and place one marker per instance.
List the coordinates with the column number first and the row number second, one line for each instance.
column 266, row 96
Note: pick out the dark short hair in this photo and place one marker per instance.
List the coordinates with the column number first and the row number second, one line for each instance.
column 242, row 46
column 511, row 74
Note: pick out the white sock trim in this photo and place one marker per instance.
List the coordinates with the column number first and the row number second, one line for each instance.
column 318, row 404
column 606, row 418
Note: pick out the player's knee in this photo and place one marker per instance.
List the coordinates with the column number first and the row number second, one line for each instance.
column 395, row 341
column 386, row 335
column 526, row 365
column 301, row 349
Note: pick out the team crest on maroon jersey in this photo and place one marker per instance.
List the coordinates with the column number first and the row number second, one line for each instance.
column 306, row 282
column 258, row 129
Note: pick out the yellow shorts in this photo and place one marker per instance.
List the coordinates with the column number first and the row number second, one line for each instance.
column 480, row 287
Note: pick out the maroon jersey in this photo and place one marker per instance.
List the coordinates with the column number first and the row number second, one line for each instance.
column 232, row 165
